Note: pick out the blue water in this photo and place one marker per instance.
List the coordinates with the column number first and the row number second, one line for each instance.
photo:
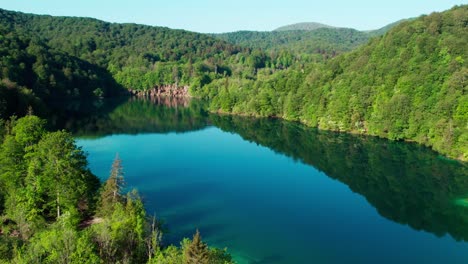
column 274, row 205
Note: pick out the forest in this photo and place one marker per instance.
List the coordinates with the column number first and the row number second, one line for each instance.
column 81, row 57
column 304, row 46
column 409, row 84
column 407, row 81
column 43, row 57
column 54, row 210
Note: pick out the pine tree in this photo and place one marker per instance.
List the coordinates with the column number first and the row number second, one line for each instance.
column 197, row 252
column 112, row 191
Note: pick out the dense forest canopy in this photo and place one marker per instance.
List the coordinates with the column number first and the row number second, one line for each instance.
column 317, row 45
column 47, row 57
column 307, row 42
column 409, row 84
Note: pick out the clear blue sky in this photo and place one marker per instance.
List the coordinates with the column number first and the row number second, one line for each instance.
column 232, row 15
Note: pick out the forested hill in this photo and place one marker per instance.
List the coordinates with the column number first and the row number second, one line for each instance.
column 303, row 26
column 317, row 45
column 308, row 41
column 30, row 70
column 118, row 45
column 46, row 56
column 409, row 84
column 385, row 29
column 310, row 26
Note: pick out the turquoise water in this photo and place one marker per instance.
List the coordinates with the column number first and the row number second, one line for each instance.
column 277, row 192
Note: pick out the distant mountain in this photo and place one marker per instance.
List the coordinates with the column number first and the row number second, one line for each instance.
column 385, row 29
column 307, row 40
column 307, row 26
column 321, row 43
column 311, row 26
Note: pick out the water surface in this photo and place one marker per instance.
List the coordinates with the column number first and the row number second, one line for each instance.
column 277, row 192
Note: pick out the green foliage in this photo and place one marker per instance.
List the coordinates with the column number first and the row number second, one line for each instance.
column 43, row 174
column 58, row 171
column 98, row 92
column 170, row 255
column 192, row 252
column 7, row 248
column 29, row 130
column 48, row 195
column 79, row 57
column 31, row 69
column 111, row 193
column 60, row 243
column 287, row 47
column 15, row 100
column 409, row 84
column 121, row 235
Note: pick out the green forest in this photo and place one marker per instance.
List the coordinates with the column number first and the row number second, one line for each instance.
column 299, row 45
column 404, row 82
column 54, row 210
column 409, row 84
column 82, row 57
column 304, row 42
column 45, row 57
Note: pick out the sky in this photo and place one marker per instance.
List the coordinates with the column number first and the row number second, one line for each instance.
column 216, row 16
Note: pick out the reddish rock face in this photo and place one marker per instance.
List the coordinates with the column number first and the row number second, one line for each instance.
column 172, row 90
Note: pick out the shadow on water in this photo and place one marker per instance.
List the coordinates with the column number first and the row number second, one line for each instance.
column 269, row 259
column 173, row 198
column 406, row 183
column 187, row 212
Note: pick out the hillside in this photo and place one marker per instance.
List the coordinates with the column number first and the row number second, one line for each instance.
column 70, row 56
column 31, row 71
column 305, row 41
column 319, row 44
column 409, row 84
column 308, row 26
column 385, row 29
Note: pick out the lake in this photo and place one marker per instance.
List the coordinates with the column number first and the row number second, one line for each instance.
column 278, row 192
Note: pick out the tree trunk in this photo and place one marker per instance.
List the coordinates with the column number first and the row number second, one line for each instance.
column 58, row 204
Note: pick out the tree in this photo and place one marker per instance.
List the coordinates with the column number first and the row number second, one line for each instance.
column 29, row 130
column 112, row 190
column 153, row 240
column 58, row 171
column 197, row 251
column 60, row 243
